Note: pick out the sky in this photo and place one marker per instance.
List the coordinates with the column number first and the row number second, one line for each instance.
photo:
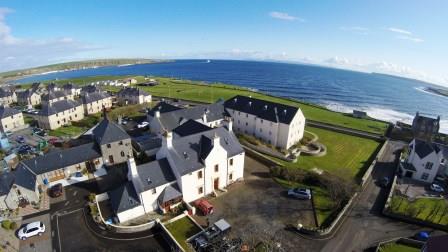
column 402, row 37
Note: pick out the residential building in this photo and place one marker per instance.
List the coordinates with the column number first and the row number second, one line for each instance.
column 56, row 114
column 274, row 123
column 53, row 87
column 128, row 96
column 113, row 141
column 29, row 97
column 18, row 188
column 56, row 95
column 90, row 89
column 72, row 89
column 166, row 117
column 424, row 161
column 10, row 119
column 187, row 167
column 95, row 102
column 7, row 96
column 359, row 114
column 425, row 128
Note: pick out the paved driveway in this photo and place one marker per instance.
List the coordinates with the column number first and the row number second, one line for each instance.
column 258, row 205
column 38, row 243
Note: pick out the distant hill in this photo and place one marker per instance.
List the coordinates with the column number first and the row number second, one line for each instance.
column 73, row 66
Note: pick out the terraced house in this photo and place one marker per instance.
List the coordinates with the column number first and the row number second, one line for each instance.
column 10, row 119
column 56, row 95
column 56, row 114
column 72, row 89
column 130, row 95
column 7, row 96
column 29, row 97
column 94, row 102
column 274, row 123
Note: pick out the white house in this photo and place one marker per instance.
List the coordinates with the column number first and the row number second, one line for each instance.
column 128, row 96
column 187, row 168
column 72, row 89
column 95, row 102
column 10, row 119
column 277, row 124
column 425, row 160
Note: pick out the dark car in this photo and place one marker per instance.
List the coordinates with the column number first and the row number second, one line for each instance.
column 39, row 132
column 56, row 190
column 20, row 139
column 24, row 149
column 384, row 182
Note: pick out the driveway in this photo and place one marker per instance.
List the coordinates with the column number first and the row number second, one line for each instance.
column 259, row 205
column 38, row 243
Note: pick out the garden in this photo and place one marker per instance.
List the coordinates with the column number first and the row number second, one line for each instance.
column 183, row 229
column 434, row 210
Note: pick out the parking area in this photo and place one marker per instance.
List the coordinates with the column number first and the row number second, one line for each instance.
column 258, row 204
column 74, row 235
column 413, row 188
column 38, row 243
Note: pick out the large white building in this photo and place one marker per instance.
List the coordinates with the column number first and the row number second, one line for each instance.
column 274, row 123
column 57, row 114
column 188, row 166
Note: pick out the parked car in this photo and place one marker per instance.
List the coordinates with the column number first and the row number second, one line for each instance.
column 56, row 190
column 422, row 236
column 24, row 149
column 384, row 182
column 204, row 206
column 39, row 132
column 20, row 139
column 300, row 193
column 437, row 188
column 31, row 229
column 142, row 125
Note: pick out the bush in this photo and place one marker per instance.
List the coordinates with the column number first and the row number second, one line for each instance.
column 13, row 225
column 91, row 197
column 6, row 224
column 93, row 210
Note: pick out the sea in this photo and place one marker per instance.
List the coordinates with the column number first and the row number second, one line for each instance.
column 384, row 97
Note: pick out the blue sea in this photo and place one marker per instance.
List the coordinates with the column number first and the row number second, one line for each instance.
column 384, row 97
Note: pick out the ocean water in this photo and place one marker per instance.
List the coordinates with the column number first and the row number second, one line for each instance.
column 384, row 97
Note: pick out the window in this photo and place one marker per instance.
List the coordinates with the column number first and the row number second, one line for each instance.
column 200, row 190
column 270, row 133
column 154, row 191
column 230, row 176
column 108, row 146
column 261, row 121
column 247, row 115
column 246, row 124
column 239, row 113
column 428, row 166
column 238, row 121
column 199, row 174
column 120, row 143
column 425, row 176
column 122, row 153
column 216, row 168
column 261, row 130
column 231, row 161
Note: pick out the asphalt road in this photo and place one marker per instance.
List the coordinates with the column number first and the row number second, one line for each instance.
column 365, row 226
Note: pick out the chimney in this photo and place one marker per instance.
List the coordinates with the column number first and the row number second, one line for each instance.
column 204, row 117
column 229, row 124
column 216, row 139
column 157, row 114
column 167, row 139
column 132, row 169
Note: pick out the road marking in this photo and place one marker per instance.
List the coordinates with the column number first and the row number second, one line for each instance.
column 66, row 203
column 74, row 194
column 59, row 236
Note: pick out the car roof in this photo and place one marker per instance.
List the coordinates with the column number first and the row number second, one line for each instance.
column 33, row 224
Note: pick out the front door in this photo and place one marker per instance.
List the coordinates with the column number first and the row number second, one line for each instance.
column 111, row 159
column 216, row 183
column 408, row 174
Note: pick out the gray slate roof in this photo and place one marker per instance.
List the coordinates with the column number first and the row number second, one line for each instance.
column 57, row 107
column 5, row 92
column 130, row 91
column 93, row 97
column 271, row 111
column 190, row 127
column 423, row 148
column 170, row 192
column 25, row 94
column 53, row 95
column 163, row 107
column 24, row 177
column 90, row 89
column 124, row 198
column 155, row 173
column 7, row 112
column 108, row 131
column 6, row 181
column 171, row 120
column 188, row 153
column 58, row 159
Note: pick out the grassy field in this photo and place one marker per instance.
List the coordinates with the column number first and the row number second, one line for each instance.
column 322, row 202
column 397, row 247
column 183, row 229
column 427, row 209
column 347, row 156
column 201, row 92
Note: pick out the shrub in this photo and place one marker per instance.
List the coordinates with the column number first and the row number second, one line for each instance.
column 13, row 225
column 6, row 224
column 93, row 210
column 91, row 197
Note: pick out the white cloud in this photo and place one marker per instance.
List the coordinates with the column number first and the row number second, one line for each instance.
column 398, row 30
column 413, row 39
column 23, row 52
column 355, row 29
column 284, row 16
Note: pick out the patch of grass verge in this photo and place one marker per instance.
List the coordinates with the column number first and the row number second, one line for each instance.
column 183, row 229
column 427, row 209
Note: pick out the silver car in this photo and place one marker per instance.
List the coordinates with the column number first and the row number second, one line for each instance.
column 300, row 193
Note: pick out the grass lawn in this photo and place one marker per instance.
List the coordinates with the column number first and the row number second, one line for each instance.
column 347, row 156
column 322, row 202
column 76, row 128
column 427, row 209
column 183, row 229
column 396, row 247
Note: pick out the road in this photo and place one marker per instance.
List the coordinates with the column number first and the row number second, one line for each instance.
column 365, row 226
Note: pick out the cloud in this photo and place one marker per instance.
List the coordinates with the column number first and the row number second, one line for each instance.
column 398, row 30
column 413, row 39
column 355, row 29
column 24, row 52
column 284, row 16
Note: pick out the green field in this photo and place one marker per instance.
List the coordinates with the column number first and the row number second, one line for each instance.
column 201, row 92
column 428, row 209
column 396, row 247
column 347, row 156
column 182, row 230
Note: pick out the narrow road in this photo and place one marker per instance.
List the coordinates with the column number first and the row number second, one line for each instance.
column 364, row 225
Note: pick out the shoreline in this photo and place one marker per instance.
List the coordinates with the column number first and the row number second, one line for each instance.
column 437, row 91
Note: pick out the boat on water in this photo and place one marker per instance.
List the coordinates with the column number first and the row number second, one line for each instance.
column 208, row 61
